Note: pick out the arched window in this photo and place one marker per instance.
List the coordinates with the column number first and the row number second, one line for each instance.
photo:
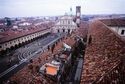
column 68, row 30
column 58, row 30
column 63, row 30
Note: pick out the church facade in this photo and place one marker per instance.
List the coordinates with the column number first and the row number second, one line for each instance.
column 65, row 24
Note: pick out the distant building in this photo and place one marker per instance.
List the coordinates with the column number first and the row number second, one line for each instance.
column 10, row 39
column 24, row 24
column 119, row 30
column 78, row 14
column 117, row 25
column 64, row 24
column 15, row 27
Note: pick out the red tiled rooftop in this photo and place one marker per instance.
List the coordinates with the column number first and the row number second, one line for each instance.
column 10, row 34
column 102, row 54
column 114, row 22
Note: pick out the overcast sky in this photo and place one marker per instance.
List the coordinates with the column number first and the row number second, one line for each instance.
column 15, row 8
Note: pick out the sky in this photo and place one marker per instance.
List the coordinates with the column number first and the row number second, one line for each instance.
column 22, row 8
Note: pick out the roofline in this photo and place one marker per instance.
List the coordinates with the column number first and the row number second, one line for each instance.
column 22, row 36
column 117, row 35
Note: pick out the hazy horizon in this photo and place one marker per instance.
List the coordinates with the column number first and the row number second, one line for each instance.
column 28, row 8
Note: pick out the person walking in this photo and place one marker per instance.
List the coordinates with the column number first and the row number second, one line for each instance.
column 52, row 49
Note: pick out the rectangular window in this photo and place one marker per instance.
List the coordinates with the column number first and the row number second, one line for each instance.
column 122, row 32
column 62, row 22
column 68, row 22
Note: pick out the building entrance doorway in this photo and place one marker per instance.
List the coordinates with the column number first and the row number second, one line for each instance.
column 68, row 30
column 63, row 30
column 58, row 30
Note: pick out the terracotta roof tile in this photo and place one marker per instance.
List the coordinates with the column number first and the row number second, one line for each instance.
column 10, row 34
column 101, row 53
column 114, row 22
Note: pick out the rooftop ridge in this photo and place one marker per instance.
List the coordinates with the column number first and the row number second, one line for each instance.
column 113, row 32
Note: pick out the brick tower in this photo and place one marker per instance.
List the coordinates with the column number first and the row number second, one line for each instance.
column 78, row 14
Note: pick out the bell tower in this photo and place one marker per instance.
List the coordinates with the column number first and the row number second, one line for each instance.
column 78, row 14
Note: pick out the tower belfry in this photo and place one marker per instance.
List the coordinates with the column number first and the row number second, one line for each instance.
column 78, row 14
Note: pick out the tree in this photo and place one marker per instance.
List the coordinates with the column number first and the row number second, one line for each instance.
column 8, row 21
